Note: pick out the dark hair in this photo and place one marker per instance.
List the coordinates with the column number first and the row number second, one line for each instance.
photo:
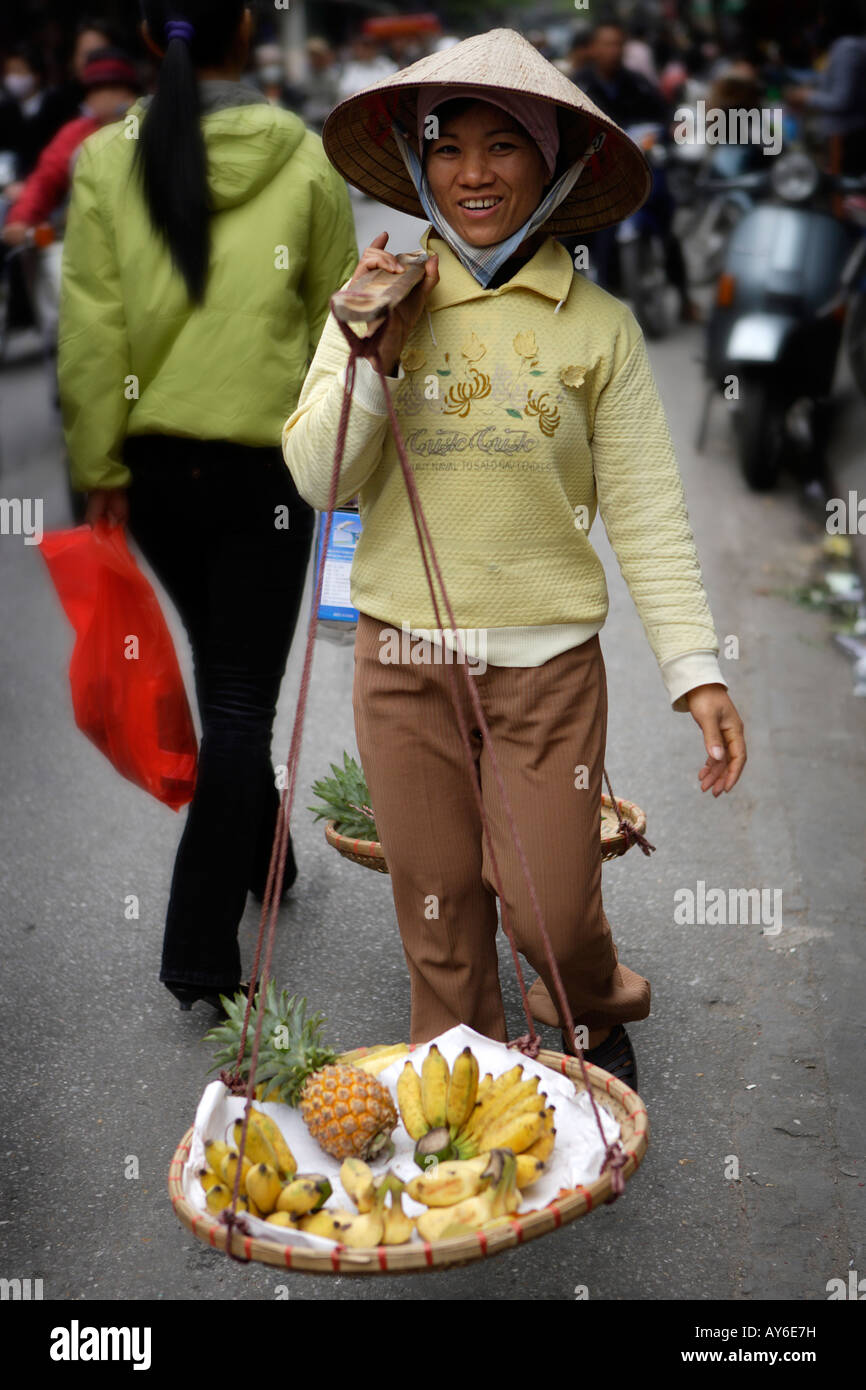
column 92, row 24
column 31, row 55
column 171, row 151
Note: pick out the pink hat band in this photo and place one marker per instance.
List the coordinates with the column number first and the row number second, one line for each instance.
column 538, row 118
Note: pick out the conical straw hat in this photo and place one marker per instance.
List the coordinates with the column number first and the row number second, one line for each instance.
column 360, row 144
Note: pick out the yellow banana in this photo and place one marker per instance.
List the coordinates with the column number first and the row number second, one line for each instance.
column 515, row 1134
column 280, row 1218
column 500, row 1096
column 473, row 1136
column 523, row 1105
column 286, row 1164
column 257, row 1148
column 218, row 1198
column 398, row 1226
column 409, row 1100
column 264, row 1187
column 207, row 1178
column 228, row 1168
column 447, row 1184
column 381, row 1059
column 506, row 1195
column 324, row 1223
column 439, row 1223
column 361, row 1232
column 529, row 1170
column 462, row 1090
column 484, row 1085
column 474, row 1212
column 304, row 1195
column 215, row 1151
column 434, row 1087
column 543, row 1146
column 357, row 1179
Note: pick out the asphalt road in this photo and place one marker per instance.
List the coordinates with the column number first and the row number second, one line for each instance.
column 754, row 1047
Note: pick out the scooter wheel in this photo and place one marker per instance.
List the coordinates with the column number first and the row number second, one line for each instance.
column 761, row 434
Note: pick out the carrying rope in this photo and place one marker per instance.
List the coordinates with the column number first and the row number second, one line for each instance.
column 528, row 1043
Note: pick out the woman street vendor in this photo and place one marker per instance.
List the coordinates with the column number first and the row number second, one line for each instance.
column 526, row 400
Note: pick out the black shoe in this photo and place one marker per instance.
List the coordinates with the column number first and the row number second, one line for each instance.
column 187, row 995
column 615, row 1055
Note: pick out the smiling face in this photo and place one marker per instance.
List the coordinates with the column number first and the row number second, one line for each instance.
column 485, row 172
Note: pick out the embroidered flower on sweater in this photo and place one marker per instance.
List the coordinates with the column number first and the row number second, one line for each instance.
column 473, row 349
column 525, row 344
column 413, row 359
column 573, row 376
column 548, row 414
column 463, row 393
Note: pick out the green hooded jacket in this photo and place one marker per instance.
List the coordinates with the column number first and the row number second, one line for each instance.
column 135, row 355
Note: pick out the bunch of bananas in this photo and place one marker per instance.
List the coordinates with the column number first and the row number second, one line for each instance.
column 376, row 1222
column 454, row 1115
column 270, row 1185
column 466, row 1196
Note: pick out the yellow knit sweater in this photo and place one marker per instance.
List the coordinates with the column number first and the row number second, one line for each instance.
column 525, row 410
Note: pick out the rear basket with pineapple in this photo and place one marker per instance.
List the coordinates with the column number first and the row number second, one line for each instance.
column 350, row 823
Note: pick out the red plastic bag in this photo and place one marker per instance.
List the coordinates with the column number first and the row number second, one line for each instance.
column 127, row 692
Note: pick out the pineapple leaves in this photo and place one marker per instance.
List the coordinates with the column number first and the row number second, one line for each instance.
column 346, row 800
column 290, row 1049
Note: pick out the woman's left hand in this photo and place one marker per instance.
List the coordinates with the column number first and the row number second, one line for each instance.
column 713, row 709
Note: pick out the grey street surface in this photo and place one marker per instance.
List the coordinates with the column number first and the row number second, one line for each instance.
column 751, row 1061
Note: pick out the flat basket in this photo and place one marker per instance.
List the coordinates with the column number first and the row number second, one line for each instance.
column 618, row 1099
column 613, row 841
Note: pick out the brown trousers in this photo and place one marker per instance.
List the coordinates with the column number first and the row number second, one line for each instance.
column 545, row 722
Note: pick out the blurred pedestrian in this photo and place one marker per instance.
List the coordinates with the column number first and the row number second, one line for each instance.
column 91, row 35
column 110, row 86
column 547, row 409
column 272, row 78
column 322, row 87
column 839, row 95
column 199, row 263
column 629, row 98
column 365, row 65
column 31, row 112
column 578, row 50
column 632, row 100
column 637, row 54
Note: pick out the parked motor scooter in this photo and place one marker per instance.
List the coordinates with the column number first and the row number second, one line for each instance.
column 773, row 335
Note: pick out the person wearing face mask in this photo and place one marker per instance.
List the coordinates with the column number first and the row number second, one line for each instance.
column 30, row 112
column 527, row 405
column 110, row 87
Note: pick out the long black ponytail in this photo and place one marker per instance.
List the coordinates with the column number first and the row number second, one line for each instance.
column 171, row 151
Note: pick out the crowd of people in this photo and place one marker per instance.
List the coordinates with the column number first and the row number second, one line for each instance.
column 637, row 73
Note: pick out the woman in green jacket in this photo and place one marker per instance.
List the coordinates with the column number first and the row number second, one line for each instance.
column 206, row 235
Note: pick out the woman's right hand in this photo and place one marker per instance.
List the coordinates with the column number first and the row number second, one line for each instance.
column 110, row 503
column 406, row 314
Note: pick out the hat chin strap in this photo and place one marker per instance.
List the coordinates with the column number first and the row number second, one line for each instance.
column 482, row 262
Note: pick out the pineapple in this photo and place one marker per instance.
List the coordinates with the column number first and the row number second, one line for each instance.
column 348, row 1112
column 346, row 801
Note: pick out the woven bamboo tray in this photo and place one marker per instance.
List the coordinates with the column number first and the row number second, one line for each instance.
column 613, row 841
column 621, row 1102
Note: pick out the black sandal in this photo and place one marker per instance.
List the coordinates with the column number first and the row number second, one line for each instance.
column 615, row 1055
